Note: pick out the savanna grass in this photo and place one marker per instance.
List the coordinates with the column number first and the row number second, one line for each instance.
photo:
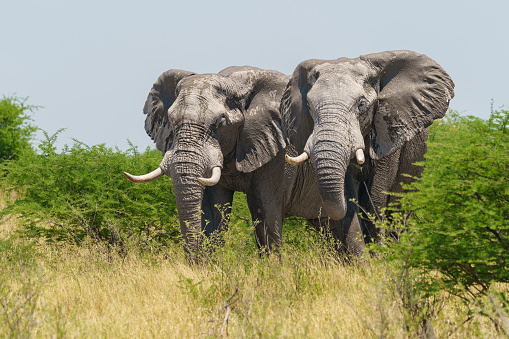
column 86, row 291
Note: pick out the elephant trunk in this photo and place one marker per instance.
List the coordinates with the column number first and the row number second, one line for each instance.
column 185, row 167
column 189, row 198
column 331, row 163
column 192, row 165
column 333, row 143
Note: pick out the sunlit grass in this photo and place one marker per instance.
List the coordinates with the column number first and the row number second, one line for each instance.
column 96, row 291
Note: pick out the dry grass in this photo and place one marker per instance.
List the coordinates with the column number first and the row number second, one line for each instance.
column 90, row 292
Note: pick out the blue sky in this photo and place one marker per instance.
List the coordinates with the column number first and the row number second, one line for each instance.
column 91, row 64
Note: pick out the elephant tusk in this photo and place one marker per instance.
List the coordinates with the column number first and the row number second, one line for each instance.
column 146, row 177
column 214, row 179
column 359, row 155
column 297, row 160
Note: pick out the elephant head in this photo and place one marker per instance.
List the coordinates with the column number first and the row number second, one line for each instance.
column 200, row 123
column 331, row 107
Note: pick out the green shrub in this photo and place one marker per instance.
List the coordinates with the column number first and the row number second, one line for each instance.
column 82, row 192
column 15, row 131
column 460, row 226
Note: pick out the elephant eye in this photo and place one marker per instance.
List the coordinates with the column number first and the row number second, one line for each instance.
column 313, row 77
column 223, row 120
column 363, row 105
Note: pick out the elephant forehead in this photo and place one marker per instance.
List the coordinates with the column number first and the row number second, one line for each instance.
column 195, row 85
column 333, row 87
column 200, row 81
column 354, row 69
column 197, row 106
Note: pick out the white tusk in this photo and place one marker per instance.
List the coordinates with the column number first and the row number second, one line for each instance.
column 146, row 177
column 214, row 179
column 359, row 154
column 297, row 160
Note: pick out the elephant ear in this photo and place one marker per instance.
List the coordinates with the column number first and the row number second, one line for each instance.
column 160, row 98
column 297, row 121
column 261, row 136
column 413, row 91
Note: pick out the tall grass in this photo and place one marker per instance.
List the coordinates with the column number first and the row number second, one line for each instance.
column 50, row 290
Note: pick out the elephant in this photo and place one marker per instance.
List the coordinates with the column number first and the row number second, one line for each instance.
column 377, row 109
column 219, row 133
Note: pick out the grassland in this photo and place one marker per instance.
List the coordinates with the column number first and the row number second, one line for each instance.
column 94, row 290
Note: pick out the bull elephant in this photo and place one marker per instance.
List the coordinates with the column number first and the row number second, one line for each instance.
column 222, row 133
column 376, row 108
column 219, row 133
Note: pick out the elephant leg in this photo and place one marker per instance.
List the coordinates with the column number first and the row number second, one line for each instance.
column 412, row 152
column 388, row 175
column 349, row 228
column 268, row 223
column 266, row 204
column 216, row 207
column 372, row 192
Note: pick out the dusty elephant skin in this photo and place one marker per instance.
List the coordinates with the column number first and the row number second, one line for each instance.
column 222, row 133
column 219, row 133
column 380, row 105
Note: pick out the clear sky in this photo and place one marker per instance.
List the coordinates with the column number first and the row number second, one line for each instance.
column 92, row 63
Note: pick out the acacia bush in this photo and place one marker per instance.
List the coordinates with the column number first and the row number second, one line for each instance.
column 81, row 192
column 456, row 237
column 451, row 232
column 461, row 204
column 15, row 130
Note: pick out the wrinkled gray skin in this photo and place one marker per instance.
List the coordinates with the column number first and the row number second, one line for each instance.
column 232, row 120
column 382, row 103
column 229, row 120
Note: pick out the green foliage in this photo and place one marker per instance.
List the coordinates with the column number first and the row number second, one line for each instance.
column 81, row 192
column 460, row 226
column 15, row 131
